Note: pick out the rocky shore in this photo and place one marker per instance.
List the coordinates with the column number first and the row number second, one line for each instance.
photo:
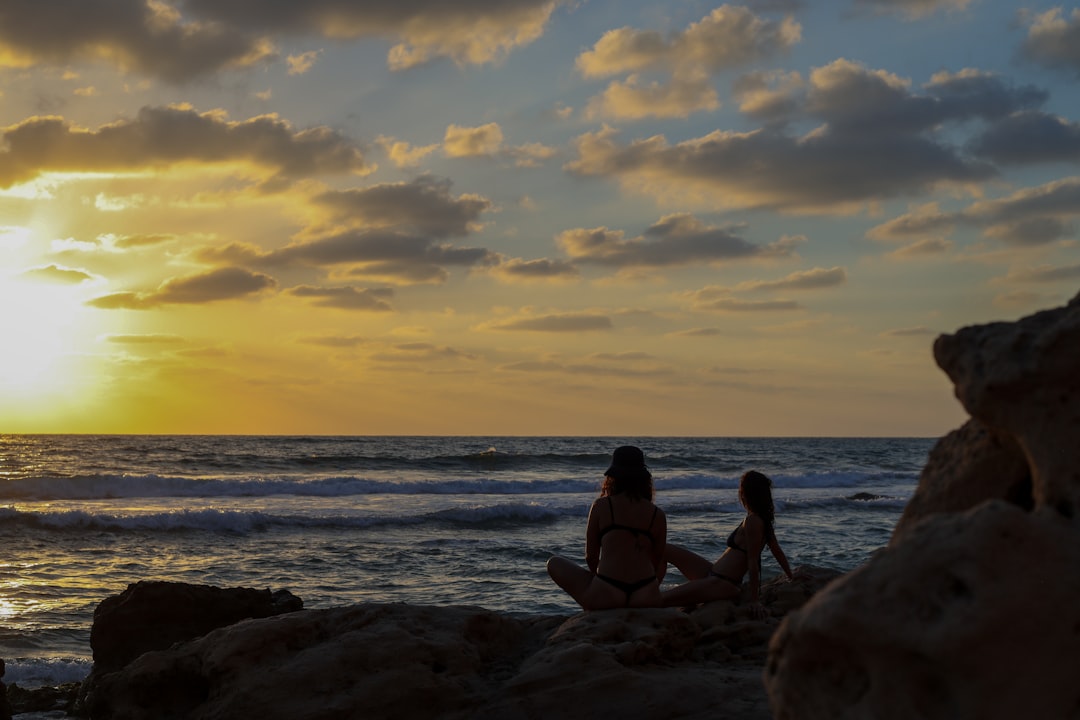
column 970, row 612
column 154, row 657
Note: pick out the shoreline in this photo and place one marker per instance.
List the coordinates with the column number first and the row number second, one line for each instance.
column 375, row 656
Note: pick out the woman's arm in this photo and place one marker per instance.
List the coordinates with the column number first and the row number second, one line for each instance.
column 592, row 538
column 781, row 559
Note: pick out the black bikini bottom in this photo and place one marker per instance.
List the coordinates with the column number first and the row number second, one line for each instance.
column 627, row 587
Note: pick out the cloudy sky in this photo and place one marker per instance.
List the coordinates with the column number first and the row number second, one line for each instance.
column 603, row 217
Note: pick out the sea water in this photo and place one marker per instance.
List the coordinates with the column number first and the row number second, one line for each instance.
column 422, row 520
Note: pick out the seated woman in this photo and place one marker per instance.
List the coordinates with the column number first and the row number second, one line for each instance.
column 722, row 580
column 624, row 541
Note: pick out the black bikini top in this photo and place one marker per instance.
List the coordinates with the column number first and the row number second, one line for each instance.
column 636, row 531
column 731, row 539
column 735, row 546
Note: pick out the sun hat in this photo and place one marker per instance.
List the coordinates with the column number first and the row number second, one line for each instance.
column 625, row 461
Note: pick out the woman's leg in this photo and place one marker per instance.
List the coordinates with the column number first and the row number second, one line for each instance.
column 699, row 591
column 570, row 576
column 690, row 564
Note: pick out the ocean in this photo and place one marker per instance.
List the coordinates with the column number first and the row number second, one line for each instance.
column 423, row 520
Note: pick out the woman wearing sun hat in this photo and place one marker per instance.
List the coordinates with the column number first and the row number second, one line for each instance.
column 624, row 541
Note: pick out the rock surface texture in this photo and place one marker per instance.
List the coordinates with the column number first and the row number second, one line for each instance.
column 972, row 611
column 404, row 661
column 153, row 615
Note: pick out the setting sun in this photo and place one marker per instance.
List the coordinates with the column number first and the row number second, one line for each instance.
column 42, row 327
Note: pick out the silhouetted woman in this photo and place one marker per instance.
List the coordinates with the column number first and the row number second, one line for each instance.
column 722, row 580
column 624, row 541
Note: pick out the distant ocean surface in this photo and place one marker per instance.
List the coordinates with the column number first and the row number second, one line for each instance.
column 423, row 520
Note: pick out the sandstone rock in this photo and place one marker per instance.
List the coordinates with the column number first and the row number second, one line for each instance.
column 972, row 609
column 972, row 615
column 152, row 615
column 403, row 661
column 966, row 467
column 1023, row 379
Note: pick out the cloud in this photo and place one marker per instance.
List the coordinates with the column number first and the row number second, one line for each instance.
column 421, row 352
column 149, row 339
column 378, row 253
column 1029, row 137
column 748, row 306
column 913, row 9
column 813, row 279
column 1031, row 216
column 876, row 139
column 472, row 141
column 149, row 38
column 56, row 274
column 921, row 249
column 699, row 332
column 572, row 322
column 422, row 205
column 210, row 36
column 163, row 136
column 728, row 37
column 517, row 270
column 346, row 298
column 1053, row 40
column 531, row 154
column 391, row 232
column 334, row 341
column 770, row 96
column 133, row 241
column 402, row 154
column 303, row 62
column 631, row 100
column 227, row 283
column 1045, row 274
column 675, row 240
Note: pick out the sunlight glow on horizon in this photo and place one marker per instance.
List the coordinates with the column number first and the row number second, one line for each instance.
column 592, row 218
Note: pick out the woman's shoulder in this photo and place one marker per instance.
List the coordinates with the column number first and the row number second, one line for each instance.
column 754, row 520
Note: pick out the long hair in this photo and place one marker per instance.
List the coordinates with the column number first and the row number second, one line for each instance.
column 636, row 484
column 755, row 494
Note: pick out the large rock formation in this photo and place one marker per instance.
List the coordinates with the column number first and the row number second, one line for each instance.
column 404, row 661
column 971, row 612
column 153, row 615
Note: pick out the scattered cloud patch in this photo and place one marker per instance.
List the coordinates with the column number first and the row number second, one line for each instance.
column 1045, row 274
column 1028, row 217
column 165, row 136
column 462, row 142
column 227, row 283
column 572, row 322
column 812, row 279
column 730, row 36
column 674, row 240
column 334, row 341
column 56, row 274
column 517, row 270
column 303, row 62
column 345, row 298
column 867, row 120
column 1053, row 40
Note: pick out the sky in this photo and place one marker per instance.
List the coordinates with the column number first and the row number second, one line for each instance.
column 523, row 217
